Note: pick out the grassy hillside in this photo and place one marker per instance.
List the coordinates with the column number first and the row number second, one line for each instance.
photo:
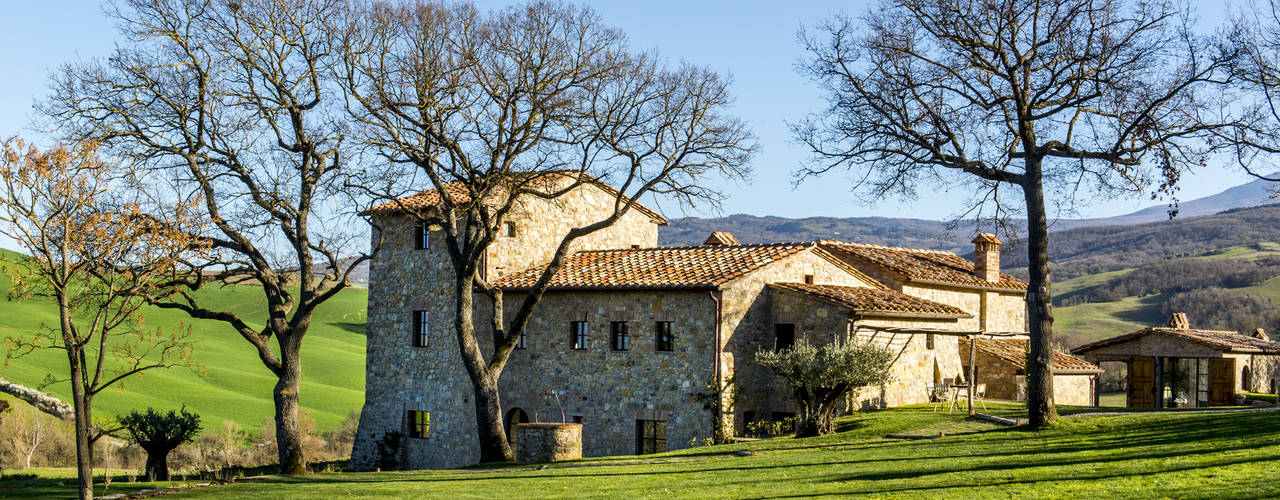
column 230, row 383
column 1082, row 323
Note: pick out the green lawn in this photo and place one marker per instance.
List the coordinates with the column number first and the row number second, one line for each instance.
column 1225, row 455
column 230, row 383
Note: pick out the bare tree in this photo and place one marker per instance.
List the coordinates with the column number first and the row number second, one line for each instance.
column 231, row 103
column 1080, row 96
column 100, row 262
column 532, row 101
column 25, row 432
column 1259, row 142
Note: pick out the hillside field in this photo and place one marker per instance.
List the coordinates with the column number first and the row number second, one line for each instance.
column 230, row 382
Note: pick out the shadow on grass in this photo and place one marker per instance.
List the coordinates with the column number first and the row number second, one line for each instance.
column 356, row 328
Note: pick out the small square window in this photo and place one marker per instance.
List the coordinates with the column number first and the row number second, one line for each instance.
column 420, row 328
column 509, row 229
column 663, row 338
column 808, row 279
column 620, row 340
column 578, row 335
column 421, row 237
column 419, row 424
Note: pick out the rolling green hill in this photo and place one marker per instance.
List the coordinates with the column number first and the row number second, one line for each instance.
column 230, row 383
column 1077, row 324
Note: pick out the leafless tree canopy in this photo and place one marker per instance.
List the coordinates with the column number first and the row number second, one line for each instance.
column 234, row 104
column 497, row 103
column 1099, row 95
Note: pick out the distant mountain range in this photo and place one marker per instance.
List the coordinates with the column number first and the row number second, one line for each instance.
column 940, row 235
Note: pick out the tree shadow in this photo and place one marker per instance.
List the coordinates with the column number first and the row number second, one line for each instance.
column 352, row 327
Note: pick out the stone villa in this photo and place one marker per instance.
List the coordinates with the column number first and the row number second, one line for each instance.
column 631, row 334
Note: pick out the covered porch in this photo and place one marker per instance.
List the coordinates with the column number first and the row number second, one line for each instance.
column 1180, row 367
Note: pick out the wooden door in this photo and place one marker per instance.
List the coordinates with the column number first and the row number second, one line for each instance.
column 1222, row 381
column 1142, row 383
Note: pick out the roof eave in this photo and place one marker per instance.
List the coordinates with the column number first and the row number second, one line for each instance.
column 893, row 314
column 971, row 286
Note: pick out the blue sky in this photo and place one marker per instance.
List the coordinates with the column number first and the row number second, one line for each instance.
column 754, row 41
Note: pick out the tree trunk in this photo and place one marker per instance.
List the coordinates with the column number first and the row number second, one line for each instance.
column 493, row 438
column 84, row 446
column 157, row 465
column 1040, row 408
column 288, row 430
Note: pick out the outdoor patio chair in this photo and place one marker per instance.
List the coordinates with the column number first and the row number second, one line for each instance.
column 939, row 394
column 980, row 394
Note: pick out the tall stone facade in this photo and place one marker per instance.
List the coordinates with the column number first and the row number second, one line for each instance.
column 616, row 390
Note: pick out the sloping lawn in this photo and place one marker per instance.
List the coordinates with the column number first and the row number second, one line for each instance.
column 1224, row 455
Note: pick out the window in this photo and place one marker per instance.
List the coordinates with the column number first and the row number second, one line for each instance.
column 928, row 341
column 663, row 339
column 621, row 341
column 509, row 229
column 420, row 328
column 421, row 237
column 520, row 343
column 808, row 279
column 578, row 335
column 651, row 436
column 784, row 336
column 419, row 424
column 577, row 419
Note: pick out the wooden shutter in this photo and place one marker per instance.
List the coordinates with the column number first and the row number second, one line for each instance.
column 1222, row 381
column 1142, row 383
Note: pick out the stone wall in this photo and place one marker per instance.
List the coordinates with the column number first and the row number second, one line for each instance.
column 541, row 224
column 1072, row 389
column 747, row 325
column 917, row 365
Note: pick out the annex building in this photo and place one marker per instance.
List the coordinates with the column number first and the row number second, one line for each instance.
column 631, row 334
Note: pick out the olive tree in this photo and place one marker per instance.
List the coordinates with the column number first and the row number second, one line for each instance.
column 159, row 433
column 1028, row 102
column 821, row 376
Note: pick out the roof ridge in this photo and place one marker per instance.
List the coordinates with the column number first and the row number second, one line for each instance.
column 884, row 247
column 697, row 247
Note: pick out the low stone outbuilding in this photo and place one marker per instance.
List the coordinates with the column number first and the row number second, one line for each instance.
column 1179, row 366
column 1001, row 365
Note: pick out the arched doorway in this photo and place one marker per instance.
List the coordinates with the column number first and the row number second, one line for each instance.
column 1246, row 380
column 514, row 416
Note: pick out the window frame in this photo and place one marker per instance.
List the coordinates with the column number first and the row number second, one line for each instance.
column 522, row 341
column 778, row 329
column 619, row 331
column 930, row 342
column 419, row 330
column 658, row 331
column 419, row 422
column 422, row 237
column 508, row 229
column 647, row 436
column 579, row 335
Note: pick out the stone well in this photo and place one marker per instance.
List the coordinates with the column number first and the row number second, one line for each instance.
column 548, row 442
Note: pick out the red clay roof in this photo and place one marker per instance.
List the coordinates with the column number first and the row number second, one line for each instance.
column 1225, row 341
column 659, row 267
column 873, row 300
column 1015, row 352
column 916, row 264
column 457, row 190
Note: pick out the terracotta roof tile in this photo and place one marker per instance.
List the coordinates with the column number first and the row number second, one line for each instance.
column 873, row 300
column 1015, row 352
column 457, row 190
column 921, row 265
column 655, row 268
column 1226, row 341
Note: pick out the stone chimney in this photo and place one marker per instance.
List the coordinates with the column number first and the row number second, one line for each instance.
column 1179, row 321
column 1261, row 334
column 721, row 238
column 986, row 257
